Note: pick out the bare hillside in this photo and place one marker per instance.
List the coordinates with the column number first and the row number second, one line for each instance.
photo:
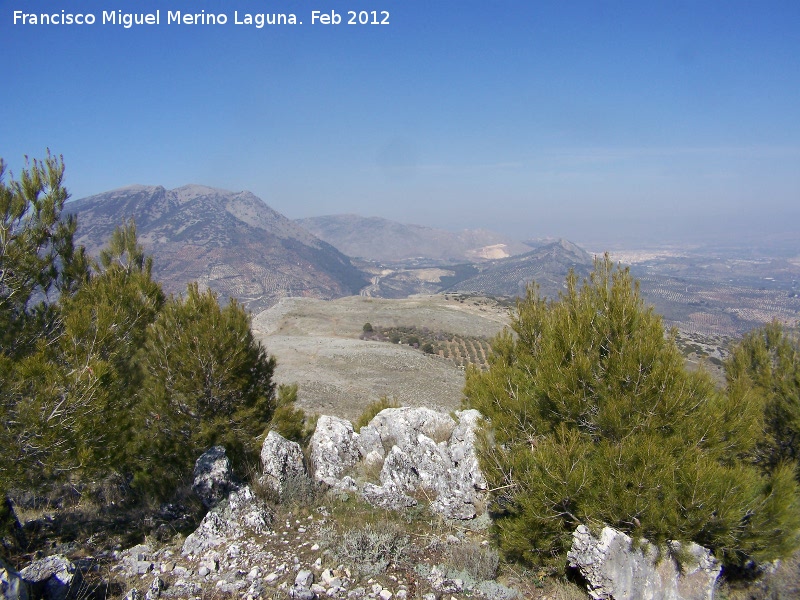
column 317, row 346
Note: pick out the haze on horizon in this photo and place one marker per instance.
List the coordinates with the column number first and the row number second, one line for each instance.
column 594, row 121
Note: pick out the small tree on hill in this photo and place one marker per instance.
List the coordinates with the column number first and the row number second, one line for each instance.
column 595, row 420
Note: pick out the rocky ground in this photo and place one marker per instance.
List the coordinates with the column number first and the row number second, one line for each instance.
column 394, row 510
column 293, row 534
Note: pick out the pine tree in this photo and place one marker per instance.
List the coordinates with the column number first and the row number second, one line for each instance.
column 105, row 327
column 39, row 264
column 765, row 368
column 595, row 420
column 209, row 382
column 38, row 259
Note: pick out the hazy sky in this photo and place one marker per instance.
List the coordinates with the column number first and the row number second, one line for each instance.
column 595, row 121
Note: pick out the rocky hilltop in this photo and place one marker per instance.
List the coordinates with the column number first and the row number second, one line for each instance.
column 231, row 242
column 275, row 538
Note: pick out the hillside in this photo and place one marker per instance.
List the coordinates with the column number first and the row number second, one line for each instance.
column 231, row 242
column 388, row 241
column 318, row 346
column 548, row 265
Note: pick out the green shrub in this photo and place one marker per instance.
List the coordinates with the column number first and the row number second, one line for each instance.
column 372, row 410
column 478, row 562
column 369, row 550
column 594, row 419
column 209, row 382
column 287, row 420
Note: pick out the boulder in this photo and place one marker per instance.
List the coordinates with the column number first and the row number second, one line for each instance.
column 213, row 476
column 282, row 461
column 418, row 465
column 52, row 578
column 446, row 472
column 616, row 568
column 334, row 449
column 12, row 585
column 462, row 450
column 418, row 451
column 401, row 426
column 386, row 496
column 240, row 514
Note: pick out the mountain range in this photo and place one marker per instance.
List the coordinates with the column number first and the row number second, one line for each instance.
column 231, row 242
column 386, row 241
column 548, row 265
column 235, row 244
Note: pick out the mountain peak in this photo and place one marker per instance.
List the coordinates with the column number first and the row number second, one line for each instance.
column 231, row 242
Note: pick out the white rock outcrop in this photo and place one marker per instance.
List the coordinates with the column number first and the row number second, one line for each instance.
column 213, row 476
column 235, row 510
column 616, row 568
column 334, row 450
column 419, row 452
column 52, row 578
column 281, row 461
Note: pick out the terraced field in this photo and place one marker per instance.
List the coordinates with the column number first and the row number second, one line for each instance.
column 461, row 350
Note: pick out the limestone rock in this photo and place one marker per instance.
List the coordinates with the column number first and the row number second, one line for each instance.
column 334, row 449
column 52, row 578
column 614, row 568
column 420, row 464
column 213, row 476
column 462, row 449
column 241, row 513
column 418, row 450
column 387, row 496
column 282, row 461
column 369, row 442
column 447, row 471
column 12, row 585
column 401, row 426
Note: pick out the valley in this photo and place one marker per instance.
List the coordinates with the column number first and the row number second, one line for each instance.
column 313, row 284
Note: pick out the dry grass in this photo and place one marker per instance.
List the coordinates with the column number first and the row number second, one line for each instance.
column 318, row 347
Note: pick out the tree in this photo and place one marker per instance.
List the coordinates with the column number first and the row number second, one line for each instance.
column 38, row 259
column 765, row 367
column 105, row 327
column 208, row 382
column 38, row 265
column 594, row 419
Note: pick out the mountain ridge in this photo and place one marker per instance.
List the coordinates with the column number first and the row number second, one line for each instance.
column 231, row 242
column 384, row 240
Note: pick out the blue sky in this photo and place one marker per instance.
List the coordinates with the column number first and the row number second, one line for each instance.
column 597, row 121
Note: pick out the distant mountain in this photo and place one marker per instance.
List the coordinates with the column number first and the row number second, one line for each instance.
column 231, row 242
column 387, row 241
column 548, row 265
